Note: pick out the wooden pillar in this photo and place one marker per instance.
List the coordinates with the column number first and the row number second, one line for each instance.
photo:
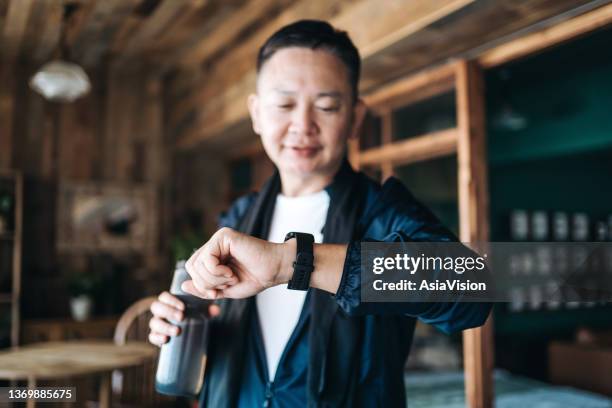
column 6, row 115
column 17, row 251
column 474, row 220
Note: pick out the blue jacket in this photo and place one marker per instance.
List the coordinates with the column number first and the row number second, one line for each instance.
column 358, row 350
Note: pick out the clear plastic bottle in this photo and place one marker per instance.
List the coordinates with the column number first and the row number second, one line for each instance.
column 180, row 368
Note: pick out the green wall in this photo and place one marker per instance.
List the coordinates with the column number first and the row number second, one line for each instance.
column 561, row 159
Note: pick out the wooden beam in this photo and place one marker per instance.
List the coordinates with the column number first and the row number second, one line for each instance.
column 420, row 148
column 224, row 111
column 188, row 29
column 478, row 23
column 98, row 29
column 241, row 59
column 78, row 20
column 547, row 37
column 398, row 15
column 391, row 22
column 15, row 26
column 7, row 99
column 474, row 220
column 17, row 252
column 412, row 89
column 151, row 27
column 228, row 31
column 36, row 21
column 50, row 33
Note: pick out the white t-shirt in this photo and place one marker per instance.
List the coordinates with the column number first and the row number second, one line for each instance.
column 278, row 308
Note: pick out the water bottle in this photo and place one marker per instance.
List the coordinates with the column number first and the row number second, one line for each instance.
column 180, row 368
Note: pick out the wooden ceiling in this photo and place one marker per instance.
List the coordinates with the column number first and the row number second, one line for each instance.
column 206, row 48
column 161, row 34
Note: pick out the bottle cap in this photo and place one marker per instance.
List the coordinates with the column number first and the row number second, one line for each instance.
column 180, row 276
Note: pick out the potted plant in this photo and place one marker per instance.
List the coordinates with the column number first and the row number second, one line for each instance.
column 82, row 287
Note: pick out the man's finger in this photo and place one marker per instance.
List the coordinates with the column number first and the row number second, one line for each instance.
column 197, row 271
column 190, row 264
column 169, row 299
column 157, row 339
column 164, row 311
column 159, row 326
column 215, row 282
column 192, row 289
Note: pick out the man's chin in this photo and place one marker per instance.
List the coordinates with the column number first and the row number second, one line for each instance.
column 300, row 167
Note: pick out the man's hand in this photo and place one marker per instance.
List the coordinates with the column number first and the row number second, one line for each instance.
column 235, row 265
column 166, row 309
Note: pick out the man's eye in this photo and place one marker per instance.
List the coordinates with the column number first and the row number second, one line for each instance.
column 329, row 108
column 285, row 106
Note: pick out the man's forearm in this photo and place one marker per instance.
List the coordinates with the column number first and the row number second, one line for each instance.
column 328, row 265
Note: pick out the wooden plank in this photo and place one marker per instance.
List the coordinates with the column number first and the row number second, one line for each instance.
column 478, row 365
column 99, row 28
column 351, row 18
column 241, row 59
column 477, row 24
column 77, row 22
column 49, row 38
column 6, row 116
column 31, row 136
column 36, row 20
column 229, row 30
column 390, row 23
column 151, row 27
column 18, row 236
column 3, row 12
column 473, row 220
column 420, row 148
column 203, row 19
column 412, row 88
column 226, row 110
column 547, row 37
column 15, row 28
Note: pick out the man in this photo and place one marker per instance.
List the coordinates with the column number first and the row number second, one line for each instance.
column 272, row 346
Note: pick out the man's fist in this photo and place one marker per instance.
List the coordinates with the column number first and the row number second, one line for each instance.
column 235, row 265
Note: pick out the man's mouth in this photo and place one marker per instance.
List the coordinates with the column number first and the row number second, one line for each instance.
column 303, row 151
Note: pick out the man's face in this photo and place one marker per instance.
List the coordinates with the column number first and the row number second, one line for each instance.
column 304, row 112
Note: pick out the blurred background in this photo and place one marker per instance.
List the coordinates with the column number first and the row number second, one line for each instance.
column 124, row 133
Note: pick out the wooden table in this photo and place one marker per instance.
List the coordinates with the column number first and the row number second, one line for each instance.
column 73, row 358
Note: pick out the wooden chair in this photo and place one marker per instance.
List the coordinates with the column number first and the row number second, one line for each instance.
column 136, row 386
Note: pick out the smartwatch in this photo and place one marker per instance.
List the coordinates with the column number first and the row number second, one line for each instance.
column 303, row 264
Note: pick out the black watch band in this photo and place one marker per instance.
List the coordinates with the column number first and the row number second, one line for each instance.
column 304, row 260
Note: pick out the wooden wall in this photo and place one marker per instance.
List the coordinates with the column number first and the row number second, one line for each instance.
column 115, row 135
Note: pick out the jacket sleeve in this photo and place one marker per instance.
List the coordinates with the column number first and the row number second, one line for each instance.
column 398, row 217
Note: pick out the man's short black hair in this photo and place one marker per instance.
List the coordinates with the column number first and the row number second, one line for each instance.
column 315, row 34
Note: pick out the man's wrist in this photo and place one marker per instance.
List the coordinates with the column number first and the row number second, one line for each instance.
column 287, row 251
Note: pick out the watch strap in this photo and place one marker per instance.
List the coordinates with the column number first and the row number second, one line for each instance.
column 304, row 260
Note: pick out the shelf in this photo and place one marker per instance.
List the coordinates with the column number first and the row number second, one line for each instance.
column 420, row 148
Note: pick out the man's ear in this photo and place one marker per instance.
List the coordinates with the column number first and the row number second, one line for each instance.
column 253, row 104
column 359, row 112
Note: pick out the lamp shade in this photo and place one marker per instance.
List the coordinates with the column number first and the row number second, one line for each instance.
column 60, row 81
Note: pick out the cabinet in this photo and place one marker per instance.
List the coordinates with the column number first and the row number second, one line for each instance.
column 11, row 197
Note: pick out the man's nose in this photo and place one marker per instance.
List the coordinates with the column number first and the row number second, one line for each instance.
column 302, row 120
